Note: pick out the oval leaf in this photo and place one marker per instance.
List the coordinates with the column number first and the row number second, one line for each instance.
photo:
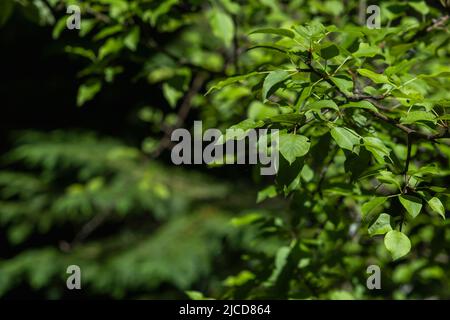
column 381, row 225
column 271, row 80
column 397, row 243
column 437, row 206
column 293, row 146
column 345, row 138
column 412, row 204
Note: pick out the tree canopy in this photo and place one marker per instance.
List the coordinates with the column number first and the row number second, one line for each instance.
column 364, row 141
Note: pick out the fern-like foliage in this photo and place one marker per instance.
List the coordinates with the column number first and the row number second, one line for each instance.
column 109, row 210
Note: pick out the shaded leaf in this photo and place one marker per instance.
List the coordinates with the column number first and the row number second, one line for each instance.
column 345, row 138
column 271, row 80
column 381, row 225
column 412, row 204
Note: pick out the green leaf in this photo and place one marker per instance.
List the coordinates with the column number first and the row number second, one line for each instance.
column 277, row 31
column 375, row 77
column 341, row 295
column 366, row 50
column 281, row 260
column 389, row 178
column 259, row 111
column 412, row 204
column 293, row 146
column 246, row 219
column 377, row 148
column 270, row 47
column 360, row 105
column 196, row 295
column 345, row 138
column 381, row 225
column 108, row 32
column 271, row 80
column 329, row 52
column 248, row 124
column 397, row 243
column 88, row 91
column 222, row 26
column 266, row 193
column 111, row 46
column 162, row 10
column 132, row 39
column 420, row 7
column 58, row 28
column 231, row 80
column 368, row 208
column 323, row 104
column 417, row 116
column 288, row 118
column 6, row 9
column 437, row 206
column 243, row 126
column 171, row 94
column 86, row 53
column 344, row 85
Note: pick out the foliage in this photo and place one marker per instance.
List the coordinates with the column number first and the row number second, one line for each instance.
column 364, row 143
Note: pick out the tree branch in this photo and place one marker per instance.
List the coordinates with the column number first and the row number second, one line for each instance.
column 183, row 112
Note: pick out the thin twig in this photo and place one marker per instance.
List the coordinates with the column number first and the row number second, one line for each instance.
column 183, row 112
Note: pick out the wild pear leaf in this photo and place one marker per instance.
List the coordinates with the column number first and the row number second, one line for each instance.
column 323, row 104
column 345, row 138
column 360, row 105
column 270, row 46
column 368, row 208
column 375, row 77
column 417, row 116
column 397, row 243
column 87, row 91
column 329, row 52
column 437, row 206
column 271, row 80
column 377, row 148
column 171, row 94
column 366, row 50
column 293, row 146
column 132, row 39
column 288, row 118
column 420, row 7
column 277, row 31
column 412, row 204
column 248, row 124
column 222, row 26
column 344, row 85
column 381, row 225
column 231, row 80
column 389, row 178
column 111, row 46
column 268, row 192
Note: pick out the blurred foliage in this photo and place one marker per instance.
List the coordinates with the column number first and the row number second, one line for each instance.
column 364, row 141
